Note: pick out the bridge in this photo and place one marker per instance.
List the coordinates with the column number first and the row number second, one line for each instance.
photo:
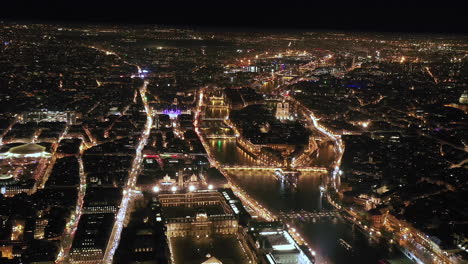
column 218, row 106
column 304, row 215
column 213, row 136
column 248, row 167
column 269, row 168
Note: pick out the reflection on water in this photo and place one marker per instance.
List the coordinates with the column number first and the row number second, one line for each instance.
column 326, row 154
column 277, row 196
column 212, row 112
column 227, row 152
column 322, row 234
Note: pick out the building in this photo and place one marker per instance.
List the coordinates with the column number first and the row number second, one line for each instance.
column 197, row 217
column 282, row 111
column 39, row 230
column 202, row 213
column 173, row 112
column 45, row 115
column 90, row 241
column 275, row 245
column 464, row 98
column 26, row 151
column 212, row 260
column 21, row 166
column 376, row 218
column 166, row 183
column 102, row 200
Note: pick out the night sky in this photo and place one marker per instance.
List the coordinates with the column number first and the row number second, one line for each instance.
column 389, row 16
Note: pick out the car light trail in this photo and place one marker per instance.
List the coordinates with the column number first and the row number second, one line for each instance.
column 128, row 189
column 69, row 233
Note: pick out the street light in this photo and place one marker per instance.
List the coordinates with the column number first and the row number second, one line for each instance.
column 191, row 188
column 173, row 188
column 210, row 187
column 156, row 189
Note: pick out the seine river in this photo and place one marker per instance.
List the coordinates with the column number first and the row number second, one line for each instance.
column 323, row 235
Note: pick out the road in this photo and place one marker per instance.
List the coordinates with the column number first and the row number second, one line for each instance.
column 128, row 189
column 69, row 233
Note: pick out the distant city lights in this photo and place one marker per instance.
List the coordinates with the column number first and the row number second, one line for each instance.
column 218, row 119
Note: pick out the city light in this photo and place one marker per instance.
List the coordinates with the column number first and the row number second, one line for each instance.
column 241, row 132
column 156, row 189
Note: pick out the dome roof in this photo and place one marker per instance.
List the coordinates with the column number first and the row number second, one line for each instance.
column 464, row 98
column 201, row 215
column 5, row 177
column 26, row 149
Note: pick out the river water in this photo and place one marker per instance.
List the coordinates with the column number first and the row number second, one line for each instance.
column 322, row 235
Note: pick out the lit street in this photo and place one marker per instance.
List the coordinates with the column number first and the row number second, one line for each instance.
column 173, row 133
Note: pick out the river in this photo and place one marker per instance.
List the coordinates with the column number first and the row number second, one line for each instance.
column 324, row 234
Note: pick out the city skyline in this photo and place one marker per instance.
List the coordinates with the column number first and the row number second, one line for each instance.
column 125, row 141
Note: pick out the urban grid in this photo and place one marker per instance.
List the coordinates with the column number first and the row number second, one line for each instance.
column 162, row 144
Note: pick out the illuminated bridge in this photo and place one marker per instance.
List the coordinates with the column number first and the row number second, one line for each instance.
column 214, row 136
column 247, row 167
column 303, row 215
column 218, row 106
column 269, row 168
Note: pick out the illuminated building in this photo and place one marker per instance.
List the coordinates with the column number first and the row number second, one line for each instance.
column 203, row 213
column 173, row 112
column 91, row 236
column 377, row 218
column 212, row 260
column 45, row 115
column 17, row 230
column 6, row 251
column 26, row 151
column 39, row 230
column 165, row 184
column 464, row 98
column 12, row 190
column 282, row 111
column 275, row 245
column 250, row 68
column 21, row 166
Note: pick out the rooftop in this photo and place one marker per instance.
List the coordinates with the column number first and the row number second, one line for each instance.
column 27, row 150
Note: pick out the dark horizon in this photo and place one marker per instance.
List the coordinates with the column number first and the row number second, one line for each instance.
column 232, row 132
column 410, row 18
